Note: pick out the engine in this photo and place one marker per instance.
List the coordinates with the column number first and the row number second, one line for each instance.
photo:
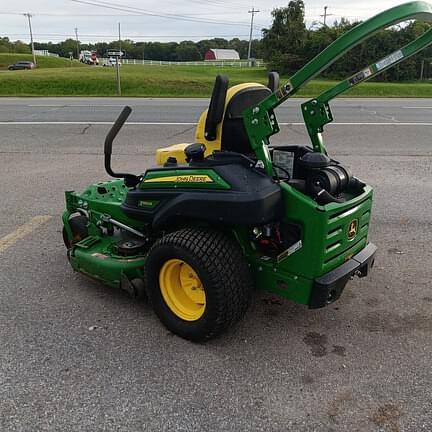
column 314, row 174
column 326, row 180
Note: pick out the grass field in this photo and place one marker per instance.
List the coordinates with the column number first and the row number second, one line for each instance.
column 162, row 81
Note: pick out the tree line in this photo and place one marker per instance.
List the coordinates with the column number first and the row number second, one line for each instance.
column 7, row 46
column 286, row 46
column 165, row 51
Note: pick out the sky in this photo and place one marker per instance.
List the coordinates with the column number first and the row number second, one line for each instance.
column 163, row 20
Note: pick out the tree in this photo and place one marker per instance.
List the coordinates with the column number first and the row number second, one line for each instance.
column 283, row 44
column 21, row 47
column 187, row 51
column 5, row 45
column 241, row 46
column 67, row 46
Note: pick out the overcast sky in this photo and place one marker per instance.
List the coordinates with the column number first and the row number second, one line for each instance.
column 55, row 20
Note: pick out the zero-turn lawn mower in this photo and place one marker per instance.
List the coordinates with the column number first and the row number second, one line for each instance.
column 230, row 212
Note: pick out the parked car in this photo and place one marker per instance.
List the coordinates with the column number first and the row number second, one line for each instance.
column 21, row 65
column 111, row 62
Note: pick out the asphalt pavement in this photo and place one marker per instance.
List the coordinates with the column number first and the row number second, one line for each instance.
column 76, row 356
column 166, row 110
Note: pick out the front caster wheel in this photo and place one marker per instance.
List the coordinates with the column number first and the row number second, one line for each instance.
column 198, row 282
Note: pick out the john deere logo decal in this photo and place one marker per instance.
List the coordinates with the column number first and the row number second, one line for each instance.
column 181, row 179
column 352, row 229
column 194, row 179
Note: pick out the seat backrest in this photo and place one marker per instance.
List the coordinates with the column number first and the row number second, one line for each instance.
column 234, row 135
column 216, row 108
column 221, row 126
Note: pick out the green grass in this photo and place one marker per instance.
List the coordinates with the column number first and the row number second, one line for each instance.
column 166, row 81
column 42, row 61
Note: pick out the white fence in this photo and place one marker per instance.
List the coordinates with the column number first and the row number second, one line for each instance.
column 45, row 53
column 214, row 63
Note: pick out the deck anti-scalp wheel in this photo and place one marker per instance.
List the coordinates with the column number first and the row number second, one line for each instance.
column 79, row 228
column 198, row 282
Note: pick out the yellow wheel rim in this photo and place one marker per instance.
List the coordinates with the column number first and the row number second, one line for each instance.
column 182, row 290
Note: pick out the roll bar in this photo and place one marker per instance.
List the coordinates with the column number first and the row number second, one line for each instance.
column 260, row 120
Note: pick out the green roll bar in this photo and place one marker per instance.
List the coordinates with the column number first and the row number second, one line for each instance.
column 260, row 120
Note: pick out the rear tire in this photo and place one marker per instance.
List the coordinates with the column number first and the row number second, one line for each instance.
column 221, row 282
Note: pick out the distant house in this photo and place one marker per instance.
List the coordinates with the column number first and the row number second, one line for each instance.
column 221, row 54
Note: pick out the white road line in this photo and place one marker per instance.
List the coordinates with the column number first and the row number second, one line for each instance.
column 24, row 230
column 425, row 107
column 72, row 106
column 54, row 123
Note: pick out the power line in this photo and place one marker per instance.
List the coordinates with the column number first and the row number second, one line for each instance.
column 131, row 11
column 130, row 14
column 217, row 4
column 125, row 15
column 116, row 6
column 70, row 15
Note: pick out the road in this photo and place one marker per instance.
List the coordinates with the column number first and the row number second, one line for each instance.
column 77, row 356
column 187, row 110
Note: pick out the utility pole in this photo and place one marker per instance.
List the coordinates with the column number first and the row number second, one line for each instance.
column 422, row 70
column 253, row 12
column 119, row 31
column 118, row 63
column 325, row 15
column 77, row 43
column 118, row 75
column 29, row 16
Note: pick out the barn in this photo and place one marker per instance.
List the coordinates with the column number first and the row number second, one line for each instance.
column 221, row 54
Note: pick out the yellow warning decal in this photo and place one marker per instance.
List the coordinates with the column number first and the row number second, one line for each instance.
column 181, row 179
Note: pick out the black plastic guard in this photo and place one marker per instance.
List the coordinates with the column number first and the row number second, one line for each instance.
column 254, row 198
column 328, row 288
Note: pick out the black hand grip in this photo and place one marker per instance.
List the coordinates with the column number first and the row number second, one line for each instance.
column 116, row 128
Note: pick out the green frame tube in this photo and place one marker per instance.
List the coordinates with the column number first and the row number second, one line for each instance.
column 260, row 120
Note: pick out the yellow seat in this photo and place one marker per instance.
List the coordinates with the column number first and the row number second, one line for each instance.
column 229, row 121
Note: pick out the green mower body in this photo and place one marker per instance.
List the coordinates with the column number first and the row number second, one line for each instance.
column 310, row 266
column 196, row 236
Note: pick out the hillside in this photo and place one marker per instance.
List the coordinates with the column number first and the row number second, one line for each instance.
column 42, row 61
